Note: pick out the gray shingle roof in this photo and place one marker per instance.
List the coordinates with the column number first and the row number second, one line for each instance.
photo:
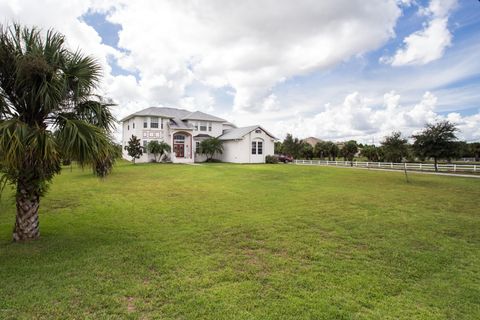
column 198, row 115
column 176, row 123
column 160, row 112
column 174, row 113
column 239, row 133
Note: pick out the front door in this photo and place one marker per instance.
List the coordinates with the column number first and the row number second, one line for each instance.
column 179, row 149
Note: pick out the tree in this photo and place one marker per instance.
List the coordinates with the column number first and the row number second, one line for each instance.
column 349, row 150
column 334, row 150
column 158, row 148
column 47, row 110
column 306, row 151
column 321, row 150
column 292, row 146
column 278, row 147
column 436, row 141
column 395, row 148
column 370, row 152
column 102, row 166
column 134, row 148
column 474, row 150
column 211, row 146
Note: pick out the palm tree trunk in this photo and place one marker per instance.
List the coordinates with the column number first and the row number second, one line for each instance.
column 26, row 222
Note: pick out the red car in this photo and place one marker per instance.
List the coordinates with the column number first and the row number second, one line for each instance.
column 285, row 158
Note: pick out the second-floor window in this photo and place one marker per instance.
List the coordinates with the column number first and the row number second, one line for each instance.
column 145, row 123
column 203, row 126
column 209, row 126
column 133, row 125
column 196, row 126
column 154, row 122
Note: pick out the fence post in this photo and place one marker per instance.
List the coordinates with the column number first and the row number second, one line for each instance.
column 367, row 164
column 391, row 165
column 474, row 168
column 421, row 167
column 454, row 167
column 327, row 162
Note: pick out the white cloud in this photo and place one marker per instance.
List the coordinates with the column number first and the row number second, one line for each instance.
column 430, row 43
column 63, row 16
column 363, row 119
column 248, row 45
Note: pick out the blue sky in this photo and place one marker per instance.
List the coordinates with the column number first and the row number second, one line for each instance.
column 332, row 69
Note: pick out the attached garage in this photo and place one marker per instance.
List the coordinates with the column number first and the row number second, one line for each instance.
column 247, row 145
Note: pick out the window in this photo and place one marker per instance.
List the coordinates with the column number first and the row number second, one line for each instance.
column 196, row 126
column 133, row 125
column 145, row 142
column 128, row 127
column 161, row 123
column 178, row 138
column 145, row 123
column 197, row 146
column 154, row 122
column 145, row 134
column 209, row 126
column 257, row 147
column 203, row 126
column 258, row 131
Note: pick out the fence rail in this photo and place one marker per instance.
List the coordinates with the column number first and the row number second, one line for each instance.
column 396, row 166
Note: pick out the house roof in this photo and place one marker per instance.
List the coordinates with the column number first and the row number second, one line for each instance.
column 202, row 135
column 239, row 133
column 171, row 113
column 198, row 115
column 176, row 123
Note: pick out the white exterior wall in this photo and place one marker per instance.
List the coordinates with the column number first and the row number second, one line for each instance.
column 217, row 127
column 240, row 151
column 144, row 134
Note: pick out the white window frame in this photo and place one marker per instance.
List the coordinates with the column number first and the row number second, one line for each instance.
column 154, row 122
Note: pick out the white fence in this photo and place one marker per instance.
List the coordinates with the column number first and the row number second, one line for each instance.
column 474, row 168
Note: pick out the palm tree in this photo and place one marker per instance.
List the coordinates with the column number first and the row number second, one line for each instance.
column 211, row 146
column 158, row 149
column 48, row 110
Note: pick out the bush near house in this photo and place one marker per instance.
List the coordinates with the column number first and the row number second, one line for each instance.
column 271, row 159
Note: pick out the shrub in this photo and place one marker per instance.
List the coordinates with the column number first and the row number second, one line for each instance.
column 271, row 159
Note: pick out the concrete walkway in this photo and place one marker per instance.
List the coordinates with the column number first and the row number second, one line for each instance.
column 399, row 171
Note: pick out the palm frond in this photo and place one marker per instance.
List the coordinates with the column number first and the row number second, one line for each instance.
column 82, row 141
column 82, row 74
column 97, row 113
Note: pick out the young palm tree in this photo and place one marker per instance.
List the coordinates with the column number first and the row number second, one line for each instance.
column 47, row 111
column 210, row 147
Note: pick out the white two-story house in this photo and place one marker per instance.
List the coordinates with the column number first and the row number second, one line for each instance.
column 183, row 130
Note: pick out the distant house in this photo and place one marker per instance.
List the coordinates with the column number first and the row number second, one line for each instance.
column 312, row 141
column 183, row 130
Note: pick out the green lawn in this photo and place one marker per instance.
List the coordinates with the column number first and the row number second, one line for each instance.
column 225, row 241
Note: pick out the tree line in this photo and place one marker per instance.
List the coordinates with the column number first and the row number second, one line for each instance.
column 437, row 141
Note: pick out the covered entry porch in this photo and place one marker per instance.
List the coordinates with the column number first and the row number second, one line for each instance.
column 182, row 146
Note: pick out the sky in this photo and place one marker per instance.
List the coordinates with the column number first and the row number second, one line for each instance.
column 336, row 70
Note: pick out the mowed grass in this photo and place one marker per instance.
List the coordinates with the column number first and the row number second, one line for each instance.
column 226, row 241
